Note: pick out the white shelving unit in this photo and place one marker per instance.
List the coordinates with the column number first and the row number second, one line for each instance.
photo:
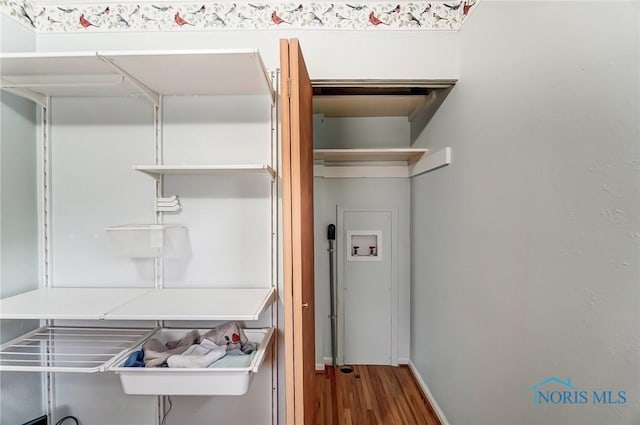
column 152, row 74
column 38, row 75
column 158, row 170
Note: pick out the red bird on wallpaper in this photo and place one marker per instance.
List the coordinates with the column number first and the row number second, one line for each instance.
column 276, row 19
column 467, row 7
column 180, row 21
column 375, row 21
column 85, row 23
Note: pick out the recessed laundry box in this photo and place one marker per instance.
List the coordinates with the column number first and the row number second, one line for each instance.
column 231, row 375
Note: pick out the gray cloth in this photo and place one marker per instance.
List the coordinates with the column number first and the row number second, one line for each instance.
column 156, row 353
column 232, row 335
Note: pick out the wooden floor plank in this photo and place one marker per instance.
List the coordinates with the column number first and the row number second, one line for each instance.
column 372, row 395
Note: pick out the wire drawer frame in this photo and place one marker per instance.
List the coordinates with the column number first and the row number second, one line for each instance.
column 69, row 349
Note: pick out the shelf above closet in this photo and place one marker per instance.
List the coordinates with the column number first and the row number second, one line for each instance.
column 157, row 170
column 150, row 73
column 411, row 155
column 196, row 304
column 62, row 349
column 67, row 303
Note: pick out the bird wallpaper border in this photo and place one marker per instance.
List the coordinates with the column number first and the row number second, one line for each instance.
column 188, row 16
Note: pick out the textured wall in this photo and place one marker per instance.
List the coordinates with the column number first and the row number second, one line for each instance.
column 526, row 250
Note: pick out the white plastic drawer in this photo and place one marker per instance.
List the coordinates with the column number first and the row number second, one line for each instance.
column 213, row 380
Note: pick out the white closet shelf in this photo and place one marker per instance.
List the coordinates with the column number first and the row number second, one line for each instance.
column 196, row 304
column 411, row 155
column 138, row 304
column 151, row 73
column 63, row 349
column 378, row 163
column 158, row 170
column 67, row 303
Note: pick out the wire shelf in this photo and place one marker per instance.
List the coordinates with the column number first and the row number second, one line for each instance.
column 66, row 349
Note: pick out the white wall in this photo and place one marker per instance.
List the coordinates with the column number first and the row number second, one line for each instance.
column 328, row 54
column 360, row 132
column 94, row 143
column 15, row 37
column 526, row 249
column 18, row 226
column 379, row 192
column 18, row 244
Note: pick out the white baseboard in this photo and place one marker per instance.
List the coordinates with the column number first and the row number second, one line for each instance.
column 325, row 361
column 403, row 361
column 428, row 394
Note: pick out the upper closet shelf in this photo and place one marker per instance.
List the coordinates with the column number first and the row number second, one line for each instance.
column 157, row 170
column 411, row 155
column 150, row 73
column 196, row 304
column 66, row 303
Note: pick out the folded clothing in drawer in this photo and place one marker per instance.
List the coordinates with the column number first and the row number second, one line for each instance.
column 230, row 375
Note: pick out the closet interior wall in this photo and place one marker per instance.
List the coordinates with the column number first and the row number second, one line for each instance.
column 353, row 132
column 19, row 252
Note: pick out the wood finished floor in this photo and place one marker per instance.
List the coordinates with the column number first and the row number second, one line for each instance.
column 371, row 395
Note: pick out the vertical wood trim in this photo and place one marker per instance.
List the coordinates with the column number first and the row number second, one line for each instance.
column 302, row 236
column 296, row 232
column 297, row 174
column 285, row 112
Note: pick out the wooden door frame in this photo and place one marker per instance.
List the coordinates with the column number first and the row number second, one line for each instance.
column 395, row 275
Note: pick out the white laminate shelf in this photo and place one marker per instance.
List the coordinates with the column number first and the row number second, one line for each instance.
column 138, row 304
column 67, row 303
column 410, row 155
column 150, row 73
column 196, row 304
column 157, row 170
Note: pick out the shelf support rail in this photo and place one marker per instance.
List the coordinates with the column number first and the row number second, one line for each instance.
column 146, row 91
column 267, row 78
column 275, row 231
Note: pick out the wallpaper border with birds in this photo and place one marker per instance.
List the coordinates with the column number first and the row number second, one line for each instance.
column 188, row 16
